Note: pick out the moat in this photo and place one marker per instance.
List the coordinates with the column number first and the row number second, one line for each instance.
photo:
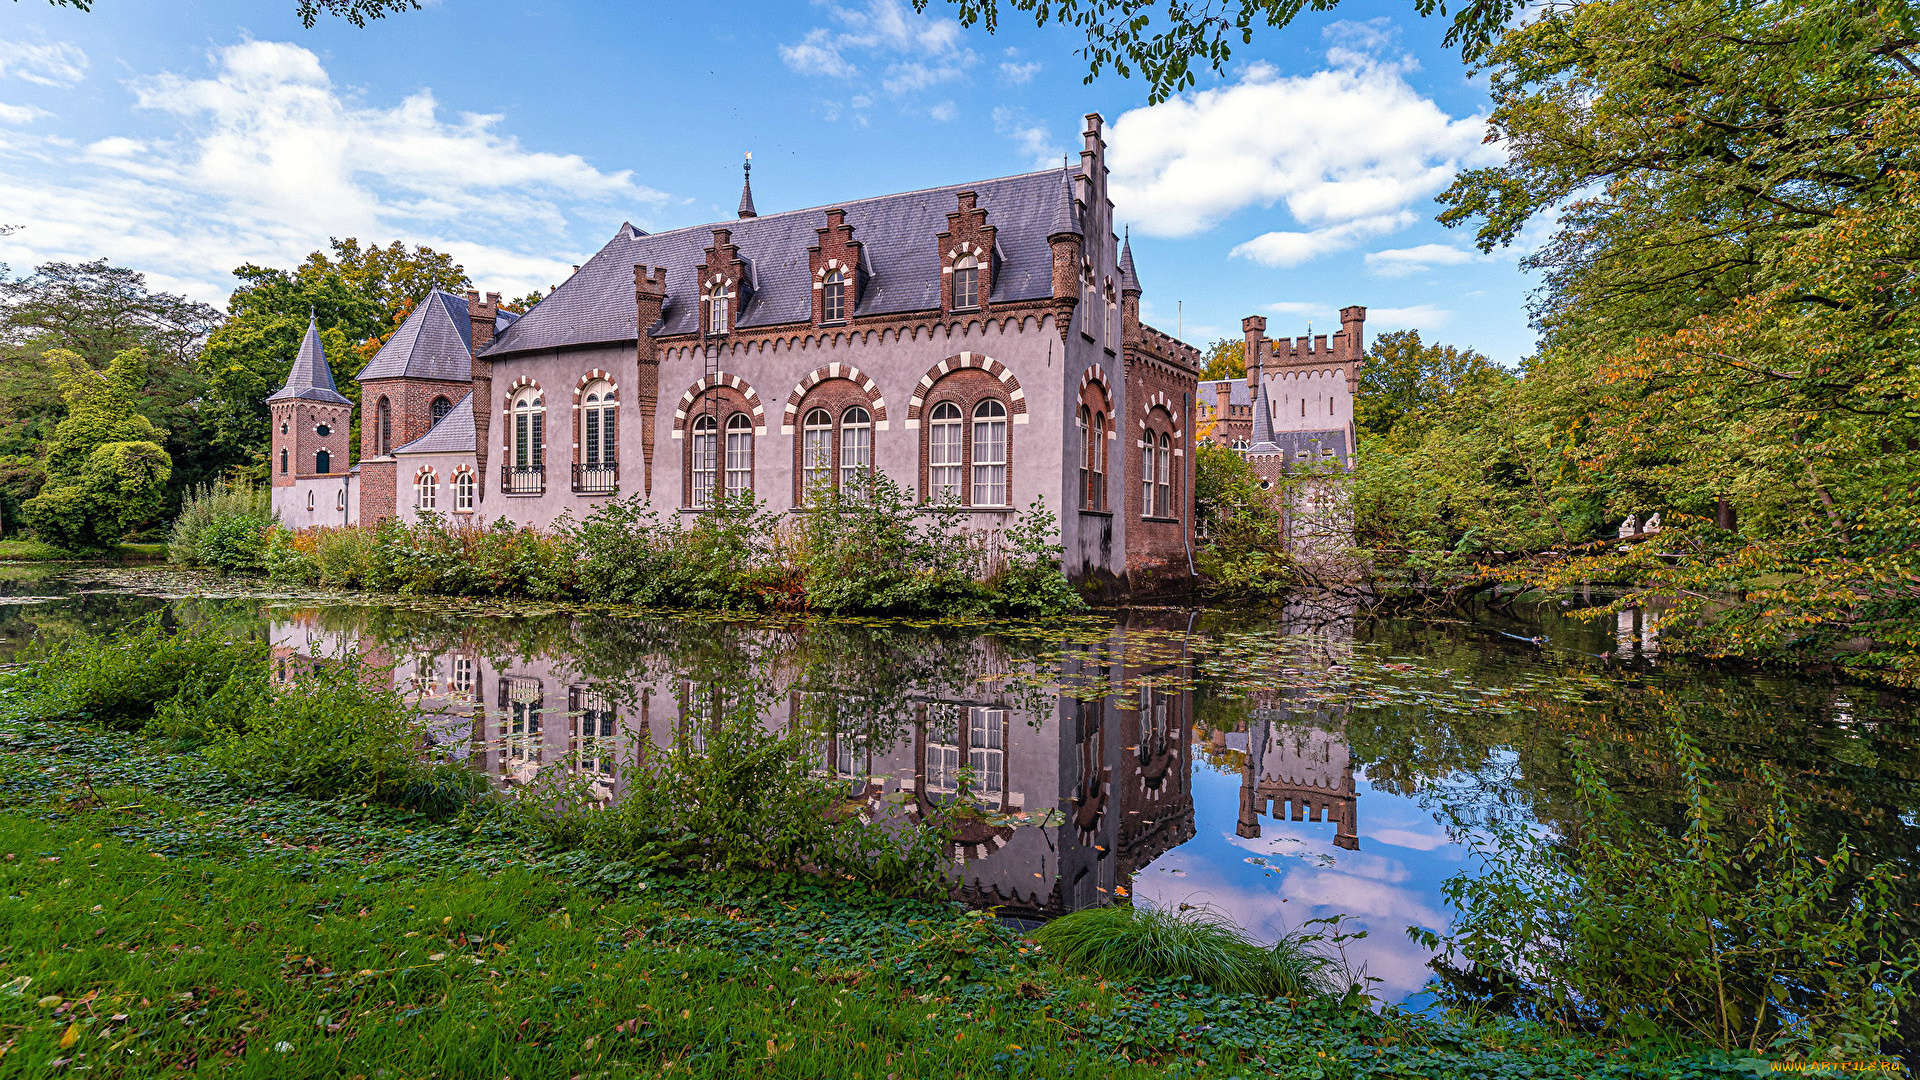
column 1279, row 766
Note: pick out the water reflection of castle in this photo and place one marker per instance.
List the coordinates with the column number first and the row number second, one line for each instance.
column 1294, row 772
column 1108, row 777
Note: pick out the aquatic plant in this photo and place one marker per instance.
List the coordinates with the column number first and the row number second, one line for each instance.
column 122, row 678
column 1128, row 942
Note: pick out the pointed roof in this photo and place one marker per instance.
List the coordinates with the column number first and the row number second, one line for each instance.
column 454, row 434
column 434, row 342
column 1261, row 439
column 310, row 379
column 1066, row 217
column 1129, row 278
column 746, row 189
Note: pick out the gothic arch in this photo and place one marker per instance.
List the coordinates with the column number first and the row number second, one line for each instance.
column 878, row 406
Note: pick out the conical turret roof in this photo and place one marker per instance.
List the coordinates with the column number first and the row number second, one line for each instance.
column 310, row 379
column 746, row 190
column 1129, row 279
column 1066, row 217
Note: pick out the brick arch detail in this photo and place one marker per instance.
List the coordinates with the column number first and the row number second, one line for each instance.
column 590, row 378
column 1160, row 400
column 877, row 404
column 1016, row 397
column 722, row 378
column 517, row 385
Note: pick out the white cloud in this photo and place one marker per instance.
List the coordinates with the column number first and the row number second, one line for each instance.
column 53, row 64
column 1347, row 151
column 1034, row 138
column 264, row 158
column 1400, row 262
column 20, row 114
column 1302, row 309
column 944, row 111
column 1019, row 74
column 1417, row 317
column 913, row 51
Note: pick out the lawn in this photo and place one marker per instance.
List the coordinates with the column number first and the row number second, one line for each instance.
column 29, row 550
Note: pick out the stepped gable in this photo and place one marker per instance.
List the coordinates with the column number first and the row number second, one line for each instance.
column 434, row 342
column 310, row 379
column 896, row 233
column 452, row 435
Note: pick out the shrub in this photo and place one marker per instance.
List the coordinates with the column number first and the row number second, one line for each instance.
column 1238, row 521
column 1126, row 942
column 123, row 679
column 235, row 544
column 210, row 505
column 331, row 733
column 1631, row 928
column 1031, row 583
column 873, row 550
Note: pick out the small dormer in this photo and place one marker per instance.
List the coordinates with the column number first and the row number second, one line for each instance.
column 967, row 266
column 836, row 262
column 725, row 285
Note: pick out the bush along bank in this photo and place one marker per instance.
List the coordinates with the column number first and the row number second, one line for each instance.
column 871, row 551
column 184, row 898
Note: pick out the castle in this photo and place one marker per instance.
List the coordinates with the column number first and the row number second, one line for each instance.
column 981, row 344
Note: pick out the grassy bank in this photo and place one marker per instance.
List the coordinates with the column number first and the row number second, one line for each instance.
column 155, row 918
column 30, row 550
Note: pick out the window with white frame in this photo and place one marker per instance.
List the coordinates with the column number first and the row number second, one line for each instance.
column 989, row 454
column 856, row 448
column 593, row 730
column 340, row 499
column 1149, row 454
column 816, row 454
column 426, row 485
column 464, row 490
column 739, row 454
column 1093, row 451
column 597, row 416
column 944, row 437
column 520, row 728
column 704, row 448
column 438, row 410
column 1163, row 487
column 966, row 283
column 529, row 432
column 943, row 749
column 719, row 309
column 460, row 682
column 310, row 500
column 833, row 298
column 987, row 751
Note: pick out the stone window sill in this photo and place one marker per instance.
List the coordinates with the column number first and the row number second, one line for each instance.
column 1087, row 512
column 936, row 508
column 1160, row 520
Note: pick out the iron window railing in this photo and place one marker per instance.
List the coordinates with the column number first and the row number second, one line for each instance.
column 599, row 478
column 523, row 479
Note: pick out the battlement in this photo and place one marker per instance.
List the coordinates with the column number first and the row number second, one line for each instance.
column 1169, row 347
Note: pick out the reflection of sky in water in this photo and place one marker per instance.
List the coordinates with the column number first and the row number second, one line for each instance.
column 1391, row 883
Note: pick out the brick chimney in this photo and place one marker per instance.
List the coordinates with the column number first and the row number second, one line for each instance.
column 649, row 297
column 483, row 315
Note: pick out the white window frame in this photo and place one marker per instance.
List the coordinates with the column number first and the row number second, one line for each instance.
column 739, row 461
column 426, row 487
column 833, row 298
column 704, row 447
column 992, row 428
column 599, row 407
column 720, row 309
column 463, row 491
column 966, row 283
column 856, row 447
column 946, row 435
column 816, row 454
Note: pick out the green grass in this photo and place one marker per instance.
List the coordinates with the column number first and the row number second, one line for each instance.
column 1125, row 942
column 154, row 922
column 30, row 550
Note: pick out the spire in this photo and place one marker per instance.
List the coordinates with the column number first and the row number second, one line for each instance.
column 1066, row 219
column 1129, row 280
column 1261, row 439
column 310, row 377
column 746, row 188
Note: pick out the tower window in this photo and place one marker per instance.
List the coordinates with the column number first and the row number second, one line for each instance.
column 440, row 408
column 833, row 298
column 322, row 462
column 323, row 431
column 966, row 283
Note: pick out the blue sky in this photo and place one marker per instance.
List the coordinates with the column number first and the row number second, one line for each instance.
column 187, row 137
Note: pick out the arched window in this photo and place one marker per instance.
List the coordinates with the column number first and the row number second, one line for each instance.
column 340, row 499
column 1093, row 449
column 1086, row 457
column 426, row 487
column 1163, row 497
column 1113, row 311
column 816, row 454
column 526, row 469
column 383, row 427
column 989, row 454
column 322, row 462
column 966, row 283
column 1149, row 454
column 856, row 447
column 440, row 408
column 310, row 500
column 463, row 491
column 283, row 462
column 719, row 309
column 705, row 450
column 597, row 472
column 739, row 454
column 944, row 454
column 833, row 298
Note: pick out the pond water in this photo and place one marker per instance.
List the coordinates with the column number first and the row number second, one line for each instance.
column 1278, row 766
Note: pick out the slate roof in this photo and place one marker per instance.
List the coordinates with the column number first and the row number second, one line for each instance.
column 1262, row 434
column 1237, row 392
column 452, row 435
column 596, row 306
column 435, row 342
column 310, row 379
column 1066, row 216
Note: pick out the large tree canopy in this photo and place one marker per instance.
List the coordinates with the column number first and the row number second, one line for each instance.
column 106, row 470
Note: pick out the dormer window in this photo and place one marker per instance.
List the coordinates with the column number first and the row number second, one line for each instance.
column 833, row 298
column 719, row 310
column 966, row 283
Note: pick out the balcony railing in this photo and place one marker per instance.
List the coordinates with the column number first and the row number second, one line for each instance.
column 523, row 479
column 599, row 478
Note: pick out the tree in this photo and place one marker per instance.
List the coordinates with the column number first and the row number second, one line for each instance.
column 1404, row 380
column 1168, row 40
column 359, row 296
column 106, row 470
column 356, row 12
column 1226, row 359
column 1729, row 303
